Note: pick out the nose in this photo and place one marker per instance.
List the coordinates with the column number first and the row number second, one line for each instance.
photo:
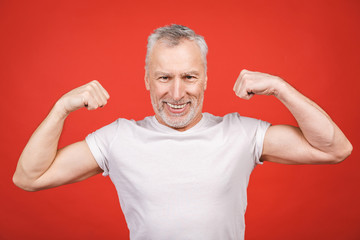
column 177, row 89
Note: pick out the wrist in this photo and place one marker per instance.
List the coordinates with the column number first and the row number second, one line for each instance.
column 282, row 89
column 59, row 111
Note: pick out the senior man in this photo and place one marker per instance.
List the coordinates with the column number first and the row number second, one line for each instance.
column 180, row 174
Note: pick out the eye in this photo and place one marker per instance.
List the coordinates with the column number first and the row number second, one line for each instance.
column 163, row 78
column 189, row 77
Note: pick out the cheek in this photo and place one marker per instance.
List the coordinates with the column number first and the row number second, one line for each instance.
column 156, row 94
column 158, row 91
column 197, row 90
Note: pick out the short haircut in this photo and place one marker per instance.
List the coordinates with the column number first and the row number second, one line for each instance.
column 172, row 36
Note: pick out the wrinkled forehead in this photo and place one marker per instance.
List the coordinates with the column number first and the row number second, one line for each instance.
column 184, row 54
column 180, row 58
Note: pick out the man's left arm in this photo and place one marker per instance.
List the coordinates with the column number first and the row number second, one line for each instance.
column 317, row 140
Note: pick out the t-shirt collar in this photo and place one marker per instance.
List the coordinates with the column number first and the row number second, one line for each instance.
column 167, row 129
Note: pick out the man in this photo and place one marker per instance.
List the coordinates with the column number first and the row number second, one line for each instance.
column 180, row 174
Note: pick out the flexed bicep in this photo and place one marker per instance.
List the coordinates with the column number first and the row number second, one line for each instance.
column 286, row 144
column 72, row 163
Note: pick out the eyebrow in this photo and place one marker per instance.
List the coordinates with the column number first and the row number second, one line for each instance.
column 196, row 73
column 160, row 73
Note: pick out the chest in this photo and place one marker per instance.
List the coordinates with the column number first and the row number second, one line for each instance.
column 180, row 168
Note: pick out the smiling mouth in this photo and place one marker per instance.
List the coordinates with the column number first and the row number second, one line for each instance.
column 176, row 106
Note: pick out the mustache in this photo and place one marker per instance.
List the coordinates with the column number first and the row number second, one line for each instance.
column 176, row 102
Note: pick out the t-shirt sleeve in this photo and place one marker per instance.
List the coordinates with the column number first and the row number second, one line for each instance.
column 261, row 129
column 254, row 130
column 100, row 142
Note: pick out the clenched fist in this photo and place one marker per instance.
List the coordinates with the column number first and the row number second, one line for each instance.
column 91, row 95
column 250, row 83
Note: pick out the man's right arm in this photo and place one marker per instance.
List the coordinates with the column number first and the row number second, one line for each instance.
column 42, row 165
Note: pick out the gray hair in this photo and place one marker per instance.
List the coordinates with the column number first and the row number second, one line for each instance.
column 172, row 35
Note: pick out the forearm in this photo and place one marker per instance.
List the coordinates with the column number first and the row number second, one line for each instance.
column 315, row 124
column 41, row 149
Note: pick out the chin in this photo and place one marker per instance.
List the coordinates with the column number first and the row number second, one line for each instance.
column 177, row 122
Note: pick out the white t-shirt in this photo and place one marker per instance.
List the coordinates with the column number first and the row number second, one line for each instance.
column 181, row 185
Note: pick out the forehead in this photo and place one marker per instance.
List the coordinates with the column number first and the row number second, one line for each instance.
column 183, row 57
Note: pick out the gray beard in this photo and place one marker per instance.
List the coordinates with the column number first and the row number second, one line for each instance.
column 176, row 120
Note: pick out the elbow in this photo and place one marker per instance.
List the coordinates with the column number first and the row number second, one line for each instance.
column 23, row 184
column 342, row 154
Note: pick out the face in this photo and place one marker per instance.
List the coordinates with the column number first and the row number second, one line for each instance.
column 176, row 80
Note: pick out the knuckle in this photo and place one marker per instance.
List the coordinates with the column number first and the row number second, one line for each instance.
column 88, row 88
column 86, row 94
column 93, row 84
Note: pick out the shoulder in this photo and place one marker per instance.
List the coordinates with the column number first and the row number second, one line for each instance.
column 110, row 130
column 230, row 119
column 248, row 125
column 236, row 118
column 116, row 124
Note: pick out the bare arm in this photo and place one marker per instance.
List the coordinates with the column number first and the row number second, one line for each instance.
column 41, row 164
column 317, row 140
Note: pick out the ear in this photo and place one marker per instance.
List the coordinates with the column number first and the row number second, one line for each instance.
column 205, row 84
column 147, row 83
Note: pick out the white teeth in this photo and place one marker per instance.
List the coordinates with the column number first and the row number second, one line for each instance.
column 176, row 106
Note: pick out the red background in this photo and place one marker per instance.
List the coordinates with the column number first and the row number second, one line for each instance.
column 50, row 47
